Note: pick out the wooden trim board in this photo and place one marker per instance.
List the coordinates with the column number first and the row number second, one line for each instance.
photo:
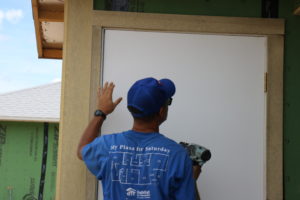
column 188, row 23
column 51, row 16
column 73, row 179
column 275, row 118
column 37, row 27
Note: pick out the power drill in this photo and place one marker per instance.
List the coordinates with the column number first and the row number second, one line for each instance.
column 198, row 154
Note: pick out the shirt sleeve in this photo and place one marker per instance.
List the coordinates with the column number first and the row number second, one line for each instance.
column 95, row 156
column 184, row 183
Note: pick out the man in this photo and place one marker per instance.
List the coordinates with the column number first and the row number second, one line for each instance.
column 140, row 163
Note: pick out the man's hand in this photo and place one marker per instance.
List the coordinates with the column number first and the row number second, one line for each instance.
column 196, row 171
column 107, row 106
column 105, row 102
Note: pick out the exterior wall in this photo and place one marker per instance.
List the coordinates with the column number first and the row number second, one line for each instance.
column 247, row 8
column 235, row 8
column 291, row 100
column 297, row 3
column 21, row 157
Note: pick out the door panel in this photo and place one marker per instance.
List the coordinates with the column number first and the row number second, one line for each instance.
column 219, row 102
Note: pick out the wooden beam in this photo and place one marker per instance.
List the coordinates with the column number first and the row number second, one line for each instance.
column 41, row 14
column 37, row 27
column 75, row 114
column 189, row 23
column 297, row 11
column 51, row 16
column 52, row 53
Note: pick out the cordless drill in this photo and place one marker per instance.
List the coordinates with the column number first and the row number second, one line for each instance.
column 198, row 154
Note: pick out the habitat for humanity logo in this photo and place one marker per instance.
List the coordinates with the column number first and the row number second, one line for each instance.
column 130, row 192
column 140, row 194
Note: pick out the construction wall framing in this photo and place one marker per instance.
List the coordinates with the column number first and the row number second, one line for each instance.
column 82, row 75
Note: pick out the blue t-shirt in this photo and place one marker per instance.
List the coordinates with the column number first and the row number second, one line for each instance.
column 133, row 165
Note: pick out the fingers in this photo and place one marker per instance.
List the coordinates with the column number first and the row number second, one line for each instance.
column 117, row 101
column 107, row 88
column 107, row 91
column 105, row 85
column 110, row 88
column 104, row 88
column 99, row 91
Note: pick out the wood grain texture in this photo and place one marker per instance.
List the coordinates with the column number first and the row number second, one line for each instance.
column 37, row 27
column 46, row 14
column 275, row 118
column 189, row 23
column 52, row 53
column 51, row 16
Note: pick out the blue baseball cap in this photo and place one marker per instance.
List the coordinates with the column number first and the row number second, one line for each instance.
column 148, row 95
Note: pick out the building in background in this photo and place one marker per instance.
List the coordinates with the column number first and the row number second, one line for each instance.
column 29, row 121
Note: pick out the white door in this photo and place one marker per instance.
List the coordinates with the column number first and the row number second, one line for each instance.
column 219, row 102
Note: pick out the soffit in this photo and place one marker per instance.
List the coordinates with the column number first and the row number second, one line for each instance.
column 48, row 18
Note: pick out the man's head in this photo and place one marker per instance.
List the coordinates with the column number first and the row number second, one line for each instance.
column 149, row 98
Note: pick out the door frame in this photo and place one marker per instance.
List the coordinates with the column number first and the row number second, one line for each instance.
column 82, row 75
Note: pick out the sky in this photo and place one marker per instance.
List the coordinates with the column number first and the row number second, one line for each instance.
column 20, row 66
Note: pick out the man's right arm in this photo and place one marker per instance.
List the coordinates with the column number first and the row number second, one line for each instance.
column 91, row 132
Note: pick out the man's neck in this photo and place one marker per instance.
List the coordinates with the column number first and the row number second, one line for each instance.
column 143, row 127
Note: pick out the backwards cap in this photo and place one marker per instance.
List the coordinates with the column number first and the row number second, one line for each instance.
column 148, row 95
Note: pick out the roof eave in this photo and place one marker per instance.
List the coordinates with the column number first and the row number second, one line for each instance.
column 45, row 14
column 28, row 119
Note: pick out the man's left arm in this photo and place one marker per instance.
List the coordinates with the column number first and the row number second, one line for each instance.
column 107, row 106
column 184, row 181
column 196, row 173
